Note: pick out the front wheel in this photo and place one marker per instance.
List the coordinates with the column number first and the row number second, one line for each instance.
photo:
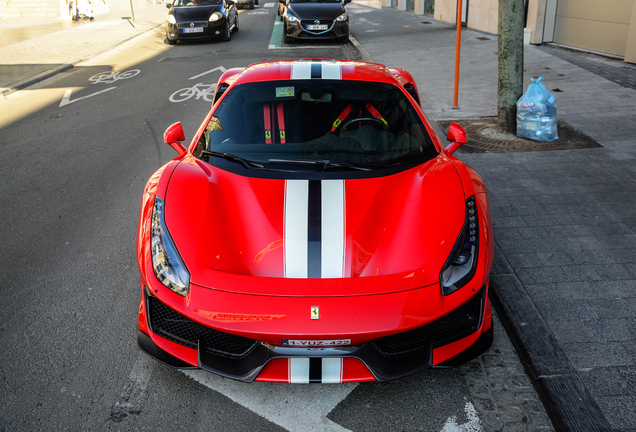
column 228, row 33
column 236, row 24
column 171, row 42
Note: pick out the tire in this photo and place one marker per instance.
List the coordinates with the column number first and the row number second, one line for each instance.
column 228, row 33
column 252, row 4
column 236, row 24
column 171, row 42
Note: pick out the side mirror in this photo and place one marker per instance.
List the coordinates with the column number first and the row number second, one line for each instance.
column 457, row 136
column 347, row 1
column 173, row 135
column 229, row 2
column 168, row 5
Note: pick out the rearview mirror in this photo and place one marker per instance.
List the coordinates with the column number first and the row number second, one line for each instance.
column 173, row 135
column 457, row 137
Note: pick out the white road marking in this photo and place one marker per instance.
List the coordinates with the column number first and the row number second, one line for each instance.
column 472, row 425
column 297, row 408
column 220, row 68
column 131, row 399
column 259, row 12
column 66, row 100
column 269, row 4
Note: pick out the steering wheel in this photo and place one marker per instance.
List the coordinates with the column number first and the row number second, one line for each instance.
column 361, row 119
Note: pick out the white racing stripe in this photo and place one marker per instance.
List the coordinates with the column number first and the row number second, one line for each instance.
column 299, row 370
column 331, row 370
column 331, row 70
column 296, row 216
column 333, row 223
column 301, row 70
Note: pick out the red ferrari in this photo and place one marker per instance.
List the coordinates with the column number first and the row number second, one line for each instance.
column 315, row 229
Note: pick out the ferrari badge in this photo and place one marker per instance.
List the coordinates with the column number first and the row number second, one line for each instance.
column 315, row 312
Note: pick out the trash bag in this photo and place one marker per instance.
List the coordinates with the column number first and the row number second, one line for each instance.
column 537, row 113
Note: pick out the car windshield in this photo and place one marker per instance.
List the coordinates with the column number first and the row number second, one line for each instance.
column 179, row 3
column 339, row 123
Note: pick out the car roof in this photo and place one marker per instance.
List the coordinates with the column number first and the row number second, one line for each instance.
column 315, row 69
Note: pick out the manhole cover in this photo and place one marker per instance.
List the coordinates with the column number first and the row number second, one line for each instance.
column 483, row 138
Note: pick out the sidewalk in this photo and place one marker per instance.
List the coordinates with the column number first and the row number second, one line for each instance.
column 31, row 50
column 564, row 280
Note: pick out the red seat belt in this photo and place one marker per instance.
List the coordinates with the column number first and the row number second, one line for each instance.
column 281, row 122
column 343, row 115
column 374, row 112
column 267, row 117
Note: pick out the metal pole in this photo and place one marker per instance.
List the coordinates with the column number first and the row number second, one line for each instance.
column 132, row 10
column 457, row 49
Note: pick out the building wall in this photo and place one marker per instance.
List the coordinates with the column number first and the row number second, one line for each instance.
column 606, row 26
column 593, row 25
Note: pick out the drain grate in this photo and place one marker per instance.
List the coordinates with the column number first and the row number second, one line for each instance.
column 480, row 139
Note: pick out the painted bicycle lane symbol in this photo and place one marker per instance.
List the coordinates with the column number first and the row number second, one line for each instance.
column 197, row 91
column 100, row 78
column 200, row 90
column 111, row 77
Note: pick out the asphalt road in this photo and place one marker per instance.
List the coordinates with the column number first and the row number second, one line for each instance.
column 75, row 153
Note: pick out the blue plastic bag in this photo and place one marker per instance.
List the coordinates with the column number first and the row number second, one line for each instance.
column 537, row 113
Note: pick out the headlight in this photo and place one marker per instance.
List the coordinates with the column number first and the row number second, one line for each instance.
column 342, row 17
column 166, row 262
column 291, row 18
column 171, row 19
column 216, row 16
column 462, row 262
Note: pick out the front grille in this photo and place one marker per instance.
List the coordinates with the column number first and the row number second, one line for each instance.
column 462, row 322
column 196, row 24
column 173, row 326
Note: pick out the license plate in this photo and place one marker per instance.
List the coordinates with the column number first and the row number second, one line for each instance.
column 318, row 27
column 316, row 343
column 193, row 30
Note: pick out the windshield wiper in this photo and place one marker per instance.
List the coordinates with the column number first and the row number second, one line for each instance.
column 328, row 164
column 232, row 158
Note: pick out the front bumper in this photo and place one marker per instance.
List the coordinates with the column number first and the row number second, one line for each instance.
column 196, row 30
column 335, row 30
column 449, row 341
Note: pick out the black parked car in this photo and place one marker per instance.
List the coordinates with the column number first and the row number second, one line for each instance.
column 200, row 19
column 314, row 19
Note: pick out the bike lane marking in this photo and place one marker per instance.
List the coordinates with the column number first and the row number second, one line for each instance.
column 220, row 68
column 66, row 100
column 99, row 78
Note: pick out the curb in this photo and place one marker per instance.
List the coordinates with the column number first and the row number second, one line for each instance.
column 67, row 66
column 361, row 49
column 568, row 403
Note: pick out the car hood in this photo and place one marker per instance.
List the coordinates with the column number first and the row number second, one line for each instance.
column 317, row 11
column 227, row 224
column 195, row 13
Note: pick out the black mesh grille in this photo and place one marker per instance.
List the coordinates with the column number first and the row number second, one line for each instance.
column 458, row 324
column 305, row 23
column 173, row 326
column 196, row 24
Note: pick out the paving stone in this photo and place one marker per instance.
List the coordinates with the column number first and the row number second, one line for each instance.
column 619, row 411
column 570, row 331
column 524, row 260
column 597, row 354
column 612, row 308
column 565, row 310
column 610, row 381
column 609, row 329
